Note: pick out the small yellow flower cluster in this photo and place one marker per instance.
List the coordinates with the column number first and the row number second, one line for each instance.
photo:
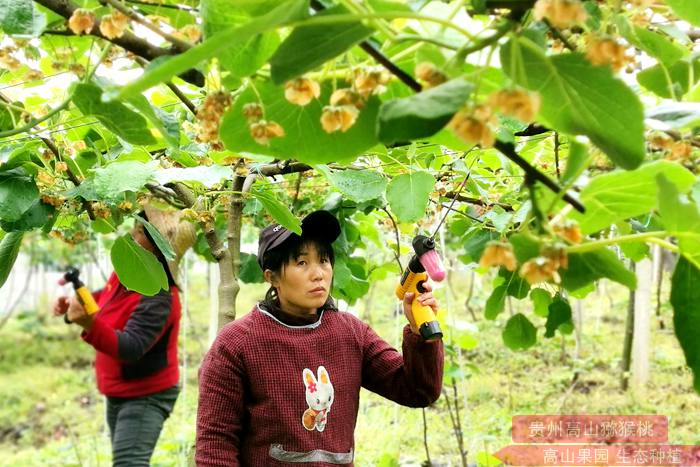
column 101, row 210
column 114, row 24
column 603, row 51
column 368, row 81
column 498, row 253
column 126, row 206
column 516, row 103
column 474, row 125
column 7, row 59
column 561, row 14
column 261, row 130
column 190, row 33
column 428, row 73
column 569, row 230
column 301, row 91
column 55, row 201
column 81, row 21
column 209, row 117
column 680, row 151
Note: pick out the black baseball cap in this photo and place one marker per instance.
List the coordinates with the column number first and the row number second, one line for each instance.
column 319, row 224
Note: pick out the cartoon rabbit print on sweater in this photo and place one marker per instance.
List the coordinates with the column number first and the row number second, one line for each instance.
column 319, row 397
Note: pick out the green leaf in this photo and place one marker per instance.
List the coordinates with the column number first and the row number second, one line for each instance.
column 540, row 300
column 346, row 282
column 519, row 333
column 137, row 269
column 310, row 46
column 250, row 272
column 408, row 194
column 36, row 216
column 559, row 313
column 686, row 9
column 18, row 193
column 656, row 80
column 573, row 92
column 653, row 43
column 240, row 59
column 358, row 185
column 156, row 116
column 423, row 114
column 685, row 300
column 20, row 18
column 516, row 286
column 113, row 180
column 161, row 242
column 115, row 116
column 576, row 163
column 9, row 249
column 681, row 219
column 585, row 268
column 496, row 302
column 525, row 246
column 675, row 115
column 279, row 212
column 617, row 196
column 206, row 175
column 304, row 137
column 475, row 244
column 284, row 13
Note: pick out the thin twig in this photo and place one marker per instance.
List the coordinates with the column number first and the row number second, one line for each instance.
column 397, row 253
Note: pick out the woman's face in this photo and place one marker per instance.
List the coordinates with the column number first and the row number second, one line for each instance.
column 140, row 237
column 304, row 283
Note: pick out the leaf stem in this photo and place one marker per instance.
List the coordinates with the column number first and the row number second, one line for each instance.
column 633, row 238
column 34, row 122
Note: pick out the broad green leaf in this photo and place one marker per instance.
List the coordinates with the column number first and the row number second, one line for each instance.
column 475, row 244
column 652, row 43
column 304, row 138
column 423, row 114
column 278, row 211
column 21, row 19
column 496, row 302
column 686, row 9
column 9, row 118
column 519, row 333
column 576, row 163
column 681, row 76
column 345, row 283
column 685, row 299
column 284, row 13
column 559, row 313
column 585, row 268
column 307, row 47
column 464, row 339
column 616, row 196
column 161, row 242
column 113, row 180
column 18, row 193
column 155, row 116
column 573, row 92
column 137, row 269
column 241, row 59
column 681, row 218
column 358, row 185
column 250, row 272
column 525, row 246
column 516, row 286
column 206, row 175
column 115, row 116
column 37, row 215
column 408, row 194
column 540, row 300
column 9, row 249
column 674, row 115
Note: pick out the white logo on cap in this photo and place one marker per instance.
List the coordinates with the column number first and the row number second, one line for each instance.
column 277, row 228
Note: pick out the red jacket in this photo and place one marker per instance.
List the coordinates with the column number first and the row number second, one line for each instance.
column 136, row 340
column 271, row 393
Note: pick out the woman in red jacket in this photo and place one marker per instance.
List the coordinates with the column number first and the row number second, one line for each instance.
column 136, row 341
column 281, row 385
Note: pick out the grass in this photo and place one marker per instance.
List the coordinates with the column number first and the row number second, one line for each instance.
column 51, row 413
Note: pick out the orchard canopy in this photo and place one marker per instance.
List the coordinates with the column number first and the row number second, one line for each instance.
column 559, row 138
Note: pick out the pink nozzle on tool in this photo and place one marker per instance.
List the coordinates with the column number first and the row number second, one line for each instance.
column 62, row 281
column 433, row 265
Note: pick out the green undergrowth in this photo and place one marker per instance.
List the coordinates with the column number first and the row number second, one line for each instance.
column 51, row 413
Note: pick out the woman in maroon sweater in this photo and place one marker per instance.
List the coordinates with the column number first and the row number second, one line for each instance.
column 136, row 341
column 281, row 385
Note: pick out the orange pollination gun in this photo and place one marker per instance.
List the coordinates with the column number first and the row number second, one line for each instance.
column 425, row 263
column 84, row 295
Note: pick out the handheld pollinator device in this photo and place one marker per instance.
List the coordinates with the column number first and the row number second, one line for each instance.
column 84, row 295
column 425, row 263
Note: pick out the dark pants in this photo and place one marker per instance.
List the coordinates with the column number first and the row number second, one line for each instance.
column 135, row 424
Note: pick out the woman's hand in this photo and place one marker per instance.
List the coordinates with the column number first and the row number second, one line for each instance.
column 60, row 306
column 73, row 310
column 426, row 299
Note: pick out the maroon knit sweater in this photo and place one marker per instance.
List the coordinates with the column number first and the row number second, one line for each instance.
column 272, row 394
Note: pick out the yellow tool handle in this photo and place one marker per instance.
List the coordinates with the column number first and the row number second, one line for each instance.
column 421, row 313
column 88, row 301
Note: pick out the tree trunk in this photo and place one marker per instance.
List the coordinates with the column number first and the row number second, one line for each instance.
column 642, row 324
column 629, row 336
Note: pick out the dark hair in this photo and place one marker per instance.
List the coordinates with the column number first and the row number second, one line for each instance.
column 277, row 258
column 156, row 251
